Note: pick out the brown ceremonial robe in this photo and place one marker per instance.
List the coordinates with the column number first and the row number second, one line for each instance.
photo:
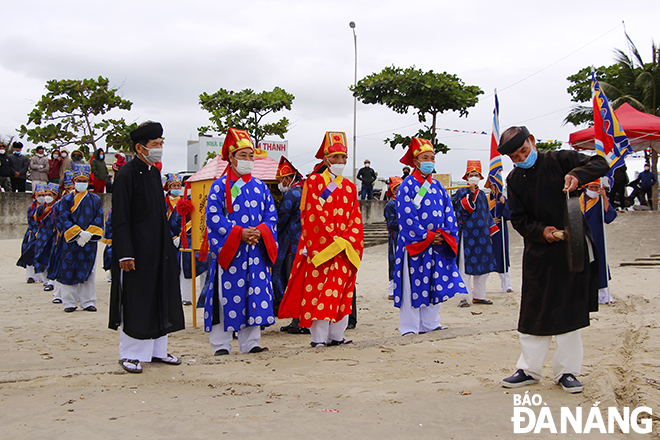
column 553, row 300
column 149, row 298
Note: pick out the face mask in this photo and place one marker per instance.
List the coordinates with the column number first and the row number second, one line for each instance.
column 17, row 152
column 2, row 151
column 64, row 155
column 244, row 166
column 101, row 156
column 337, row 168
column 282, row 188
column 76, row 157
column 366, row 165
column 155, row 154
column 49, row 199
column 527, row 163
column 426, row 167
column 41, row 199
column 176, row 192
column 592, row 194
column 474, row 180
column 40, row 155
column 647, row 169
column 81, row 186
column 55, row 156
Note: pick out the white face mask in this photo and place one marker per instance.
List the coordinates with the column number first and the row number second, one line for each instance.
column 2, row 151
column 474, row 180
column 592, row 194
column 155, row 155
column 49, row 199
column 282, row 188
column 337, row 169
column 81, row 186
column 64, row 155
column 55, row 156
column 41, row 199
column 244, row 166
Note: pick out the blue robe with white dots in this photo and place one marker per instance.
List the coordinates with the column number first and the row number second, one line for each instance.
column 475, row 229
column 434, row 277
column 242, row 271
column 77, row 262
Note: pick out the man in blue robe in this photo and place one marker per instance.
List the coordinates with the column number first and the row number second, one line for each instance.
column 81, row 218
column 425, row 273
column 594, row 203
column 289, row 182
column 500, row 213
column 389, row 212
column 475, row 227
column 241, row 221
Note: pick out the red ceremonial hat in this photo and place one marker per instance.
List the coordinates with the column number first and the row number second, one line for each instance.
column 473, row 165
column 236, row 140
column 286, row 168
column 334, row 142
column 417, row 147
column 394, row 183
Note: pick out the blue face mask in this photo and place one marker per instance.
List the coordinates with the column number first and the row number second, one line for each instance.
column 426, row 167
column 527, row 163
column 176, row 192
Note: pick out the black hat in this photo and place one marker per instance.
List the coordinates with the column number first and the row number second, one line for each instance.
column 515, row 142
column 18, row 145
column 148, row 131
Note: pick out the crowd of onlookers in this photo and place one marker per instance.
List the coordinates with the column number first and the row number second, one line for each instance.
column 19, row 172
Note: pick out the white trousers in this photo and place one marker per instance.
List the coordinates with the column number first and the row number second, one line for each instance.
column 141, row 349
column 567, row 358
column 604, row 296
column 248, row 338
column 415, row 320
column 390, row 289
column 57, row 291
column 475, row 284
column 30, row 273
column 85, row 293
column 186, row 286
column 505, row 281
column 326, row 331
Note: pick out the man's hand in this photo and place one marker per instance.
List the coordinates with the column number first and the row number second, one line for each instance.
column 547, row 234
column 251, row 235
column 570, row 183
column 438, row 240
column 127, row 265
column 602, row 192
column 502, row 199
column 15, row 173
column 497, row 220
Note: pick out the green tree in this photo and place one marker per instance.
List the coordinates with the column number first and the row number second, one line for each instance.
column 119, row 139
column 428, row 93
column 629, row 80
column 548, row 145
column 69, row 114
column 246, row 110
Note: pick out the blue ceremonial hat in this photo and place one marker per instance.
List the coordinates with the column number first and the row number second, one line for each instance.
column 172, row 178
column 67, row 183
column 54, row 187
column 39, row 187
column 81, row 170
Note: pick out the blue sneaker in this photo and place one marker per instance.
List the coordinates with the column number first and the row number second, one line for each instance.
column 519, row 379
column 570, row 384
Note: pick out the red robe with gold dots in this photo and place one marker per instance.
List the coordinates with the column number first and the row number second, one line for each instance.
column 329, row 252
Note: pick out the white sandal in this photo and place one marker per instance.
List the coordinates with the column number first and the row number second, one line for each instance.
column 131, row 365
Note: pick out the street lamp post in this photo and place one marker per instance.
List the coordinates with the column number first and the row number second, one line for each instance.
column 352, row 25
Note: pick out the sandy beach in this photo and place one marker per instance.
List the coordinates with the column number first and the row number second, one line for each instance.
column 59, row 375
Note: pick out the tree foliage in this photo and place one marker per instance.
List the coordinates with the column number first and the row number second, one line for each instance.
column 629, row 80
column 428, row 93
column 548, row 145
column 246, row 110
column 69, row 114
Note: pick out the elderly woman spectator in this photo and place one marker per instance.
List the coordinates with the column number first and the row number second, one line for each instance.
column 39, row 166
column 99, row 170
column 64, row 166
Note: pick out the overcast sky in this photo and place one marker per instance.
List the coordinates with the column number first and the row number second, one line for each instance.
column 164, row 54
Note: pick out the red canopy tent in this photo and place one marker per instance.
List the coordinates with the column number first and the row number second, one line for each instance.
column 642, row 129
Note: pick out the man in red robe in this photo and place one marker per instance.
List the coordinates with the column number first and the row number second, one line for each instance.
column 320, row 291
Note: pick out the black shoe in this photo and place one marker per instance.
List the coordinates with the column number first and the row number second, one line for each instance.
column 342, row 342
column 187, row 303
column 48, row 287
column 518, row 379
column 221, row 352
column 570, row 384
column 57, row 301
column 90, row 309
column 70, row 309
column 258, row 349
column 350, row 326
column 30, row 281
column 318, row 344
